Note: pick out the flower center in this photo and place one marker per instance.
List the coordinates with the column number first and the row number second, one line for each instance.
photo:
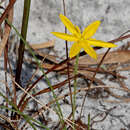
column 82, row 38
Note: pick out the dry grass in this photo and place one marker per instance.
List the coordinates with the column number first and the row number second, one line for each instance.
column 107, row 64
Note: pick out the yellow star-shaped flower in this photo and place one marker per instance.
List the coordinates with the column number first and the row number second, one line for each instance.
column 82, row 40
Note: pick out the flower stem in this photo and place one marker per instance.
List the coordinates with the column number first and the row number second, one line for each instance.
column 89, row 121
column 75, row 88
column 25, row 20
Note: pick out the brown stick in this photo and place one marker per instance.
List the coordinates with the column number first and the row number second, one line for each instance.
column 10, row 5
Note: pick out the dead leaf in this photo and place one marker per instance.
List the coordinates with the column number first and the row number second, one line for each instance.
column 111, row 57
column 49, row 66
column 89, row 75
column 6, row 32
column 51, row 58
column 9, row 7
column 124, row 68
column 43, row 45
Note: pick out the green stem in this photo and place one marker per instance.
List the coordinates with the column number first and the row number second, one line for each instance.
column 26, row 12
column 89, row 121
column 75, row 88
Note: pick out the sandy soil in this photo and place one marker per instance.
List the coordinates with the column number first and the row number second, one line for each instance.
column 115, row 17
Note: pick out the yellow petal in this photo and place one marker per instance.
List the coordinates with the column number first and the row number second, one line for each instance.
column 99, row 43
column 78, row 29
column 74, row 50
column 89, row 50
column 65, row 36
column 69, row 25
column 90, row 30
